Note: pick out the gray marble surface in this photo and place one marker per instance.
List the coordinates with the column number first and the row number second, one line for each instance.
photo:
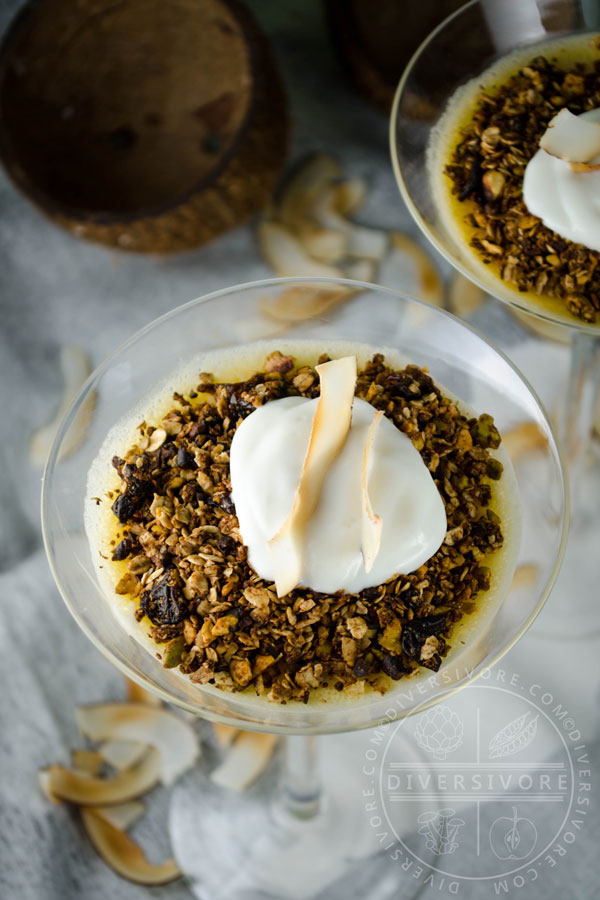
column 56, row 290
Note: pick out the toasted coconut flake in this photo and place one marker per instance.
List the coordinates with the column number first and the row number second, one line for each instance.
column 122, row 815
column 525, row 576
column 123, row 855
column 585, row 167
column 361, row 242
column 430, row 285
column 302, row 302
column 330, row 428
column 571, row 138
column 371, row 523
column 87, row 761
column 305, row 184
column 349, row 195
column 45, row 781
column 286, row 255
column 360, row 270
column 245, row 761
column 75, row 368
column 88, row 790
column 224, row 734
column 137, row 694
column 464, row 296
column 175, row 739
column 524, row 438
column 321, row 244
column 122, row 754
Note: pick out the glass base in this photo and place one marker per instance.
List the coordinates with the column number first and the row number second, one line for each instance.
column 572, row 609
column 248, row 845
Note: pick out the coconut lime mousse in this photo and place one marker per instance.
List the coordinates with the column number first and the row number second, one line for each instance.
column 304, row 526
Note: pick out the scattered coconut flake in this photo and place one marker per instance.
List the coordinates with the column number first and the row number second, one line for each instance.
column 464, row 296
column 75, row 368
column 525, row 576
column 524, row 438
column 430, row 285
column 360, row 270
column 286, row 255
column 330, row 428
column 137, row 694
column 245, row 761
column 121, row 815
column 123, row 855
column 224, row 734
column 87, row 761
column 361, row 242
column 571, row 138
column 121, row 754
column 89, row 790
column 322, row 244
column 303, row 187
column 349, row 195
column 302, row 302
column 371, row 523
column 175, row 739
column 45, row 781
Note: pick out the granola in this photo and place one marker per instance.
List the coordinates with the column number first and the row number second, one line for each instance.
column 487, row 169
column 185, row 565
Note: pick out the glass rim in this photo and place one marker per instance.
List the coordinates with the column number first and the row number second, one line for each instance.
column 455, row 261
column 253, row 725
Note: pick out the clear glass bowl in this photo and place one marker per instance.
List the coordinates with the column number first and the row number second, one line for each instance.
column 460, row 49
column 459, row 359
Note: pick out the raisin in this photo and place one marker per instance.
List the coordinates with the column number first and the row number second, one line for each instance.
column 185, row 460
column 132, row 498
column 163, row 603
column 416, row 632
column 393, row 666
column 123, row 549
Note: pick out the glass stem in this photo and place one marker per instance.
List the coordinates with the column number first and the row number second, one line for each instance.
column 299, row 795
column 578, row 411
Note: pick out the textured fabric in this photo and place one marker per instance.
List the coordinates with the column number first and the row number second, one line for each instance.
column 55, row 290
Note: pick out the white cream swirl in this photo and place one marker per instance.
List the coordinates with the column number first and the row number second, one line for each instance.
column 266, row 459
column 567, row 202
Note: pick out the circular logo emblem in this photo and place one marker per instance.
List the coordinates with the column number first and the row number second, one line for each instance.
column 490, row 785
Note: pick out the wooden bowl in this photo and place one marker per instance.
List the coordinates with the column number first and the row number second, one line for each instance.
column 149, row 125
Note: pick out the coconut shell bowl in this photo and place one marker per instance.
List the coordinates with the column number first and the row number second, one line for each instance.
column 143, row 125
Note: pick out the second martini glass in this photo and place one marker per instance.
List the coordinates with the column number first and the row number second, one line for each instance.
column 304, row 817
column 460, row 49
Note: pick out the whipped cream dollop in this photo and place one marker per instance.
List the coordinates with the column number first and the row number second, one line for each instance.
column 267, row 453
column 566, row 201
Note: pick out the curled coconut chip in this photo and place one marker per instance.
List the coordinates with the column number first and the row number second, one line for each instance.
column 302, row 302
column 524, row 438
column 121, row 815
column 525, row 576
column 224, row 734
column 301, row 190
column 371, row 523
column 137, row 694
column 361, row 242
column 464, row 296
column 573, row 139
column 88, row 762
column 330, row 427
column 121, row 754
column 89, row 790
column 430, row 285
column 123, row 855
column 245, row 760
column 175, row 739
column 75, row 368
column 348, row 195
column 287, row 256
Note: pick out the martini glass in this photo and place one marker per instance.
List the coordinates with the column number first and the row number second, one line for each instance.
column 304, row 820
column 461, row 48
